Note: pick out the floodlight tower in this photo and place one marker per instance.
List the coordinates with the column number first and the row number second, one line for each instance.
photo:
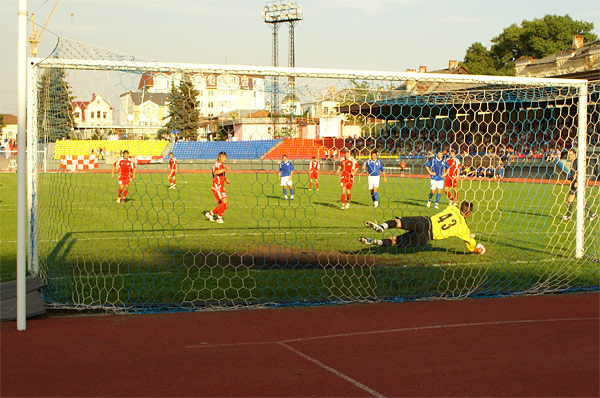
column 275, row 13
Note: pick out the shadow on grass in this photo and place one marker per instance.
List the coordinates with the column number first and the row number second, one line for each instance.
column 527, row 213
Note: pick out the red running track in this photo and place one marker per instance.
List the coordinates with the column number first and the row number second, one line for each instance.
column 521, row 346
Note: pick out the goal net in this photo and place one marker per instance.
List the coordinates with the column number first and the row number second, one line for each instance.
column 159, row 240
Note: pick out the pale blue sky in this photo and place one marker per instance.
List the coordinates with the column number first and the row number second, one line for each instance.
column 347, row 34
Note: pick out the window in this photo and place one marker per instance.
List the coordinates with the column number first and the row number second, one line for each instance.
column 76, row 114
column 104, row 115
column 98, row 114
column 211, row 105
column 91, row 115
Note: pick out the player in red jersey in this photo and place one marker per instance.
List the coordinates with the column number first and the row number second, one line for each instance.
column 126, row 169
column 173, row 167
column 402, row 165
column 451, row 181
column 313, row 170
column 347, row 169
column 218, row 189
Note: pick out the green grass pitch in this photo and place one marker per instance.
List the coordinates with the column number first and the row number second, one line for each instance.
column 159, row 248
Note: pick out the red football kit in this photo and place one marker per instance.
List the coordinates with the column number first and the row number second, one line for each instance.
column 347, row 178
column 314, row 169
column 172, row 167
column 218, row 186
column 125, row 167
column 451, row 180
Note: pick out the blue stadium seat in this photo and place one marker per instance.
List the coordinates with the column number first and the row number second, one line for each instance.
column 189, row 150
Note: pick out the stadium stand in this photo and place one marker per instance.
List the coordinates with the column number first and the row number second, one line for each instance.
column 332, row 143
column 298, row 148
column 188, row 150
column 113, row 147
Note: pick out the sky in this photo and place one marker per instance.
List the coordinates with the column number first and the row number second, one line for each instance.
column 388, row 35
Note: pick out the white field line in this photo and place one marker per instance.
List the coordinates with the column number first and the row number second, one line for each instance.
column 399, row 330
column 534, row 261
column 332, row 370
column 208, row 231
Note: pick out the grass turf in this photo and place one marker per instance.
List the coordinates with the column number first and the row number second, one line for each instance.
column 158, row 249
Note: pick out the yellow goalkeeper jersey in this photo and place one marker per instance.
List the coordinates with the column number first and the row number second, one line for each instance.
column 451, row 223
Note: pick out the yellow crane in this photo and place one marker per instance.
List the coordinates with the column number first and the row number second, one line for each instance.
column 36, row 34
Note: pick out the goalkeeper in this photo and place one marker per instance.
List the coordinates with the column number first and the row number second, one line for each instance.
column 421, row 229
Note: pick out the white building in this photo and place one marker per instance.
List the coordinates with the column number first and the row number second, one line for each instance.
column 218, row 94
column 94, row 113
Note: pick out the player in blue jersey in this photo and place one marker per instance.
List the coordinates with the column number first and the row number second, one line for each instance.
column 375, row 169
column 286, row 169
column 437, row 167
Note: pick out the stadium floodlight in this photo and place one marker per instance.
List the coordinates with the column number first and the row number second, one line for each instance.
column 281, row 11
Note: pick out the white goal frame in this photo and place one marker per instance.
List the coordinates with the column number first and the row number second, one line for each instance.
column 34, row 64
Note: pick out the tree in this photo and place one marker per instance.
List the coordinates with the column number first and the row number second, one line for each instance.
column 55, row 109
column 538, row 38
column 183, row 107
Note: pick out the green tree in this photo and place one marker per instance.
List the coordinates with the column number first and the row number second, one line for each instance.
column 183, row 108
column 55, row 109
column 538, row 38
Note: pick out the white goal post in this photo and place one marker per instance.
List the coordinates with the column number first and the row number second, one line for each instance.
column 472, row 90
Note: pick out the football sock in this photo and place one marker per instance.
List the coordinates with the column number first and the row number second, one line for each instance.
column 456, row 196
column 348, row 197
column 376, row 194
column 222, row 208
column 590, row 212
column 124, row 194
column 438, row 197
column 317, row 185
column 449, row 195
column 310, row 186
column 120, row 191
column 430, row 196
column 569, row 209
column 343, row 198
column 390, row 224
column 292, row 191
column 284, row 192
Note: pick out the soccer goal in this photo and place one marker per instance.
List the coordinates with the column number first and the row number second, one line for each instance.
column 293, row 232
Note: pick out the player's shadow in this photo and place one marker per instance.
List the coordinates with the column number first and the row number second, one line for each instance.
column 275, row 197
column 408, row 202
column 337, row 205
column 334, row 206
column 527, row 213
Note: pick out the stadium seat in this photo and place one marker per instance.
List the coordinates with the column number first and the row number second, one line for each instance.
column 85, row 147
column 298, row 148
column 189, row 150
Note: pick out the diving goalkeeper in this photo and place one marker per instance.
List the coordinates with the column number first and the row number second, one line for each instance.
column 421, row 229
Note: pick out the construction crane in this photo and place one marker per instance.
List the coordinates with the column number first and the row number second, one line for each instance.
column 36, row 34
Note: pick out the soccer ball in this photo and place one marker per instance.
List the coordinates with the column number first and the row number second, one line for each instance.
column 480, row 249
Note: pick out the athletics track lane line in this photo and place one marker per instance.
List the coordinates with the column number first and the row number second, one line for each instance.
column 374, row 332
column 284, row 343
